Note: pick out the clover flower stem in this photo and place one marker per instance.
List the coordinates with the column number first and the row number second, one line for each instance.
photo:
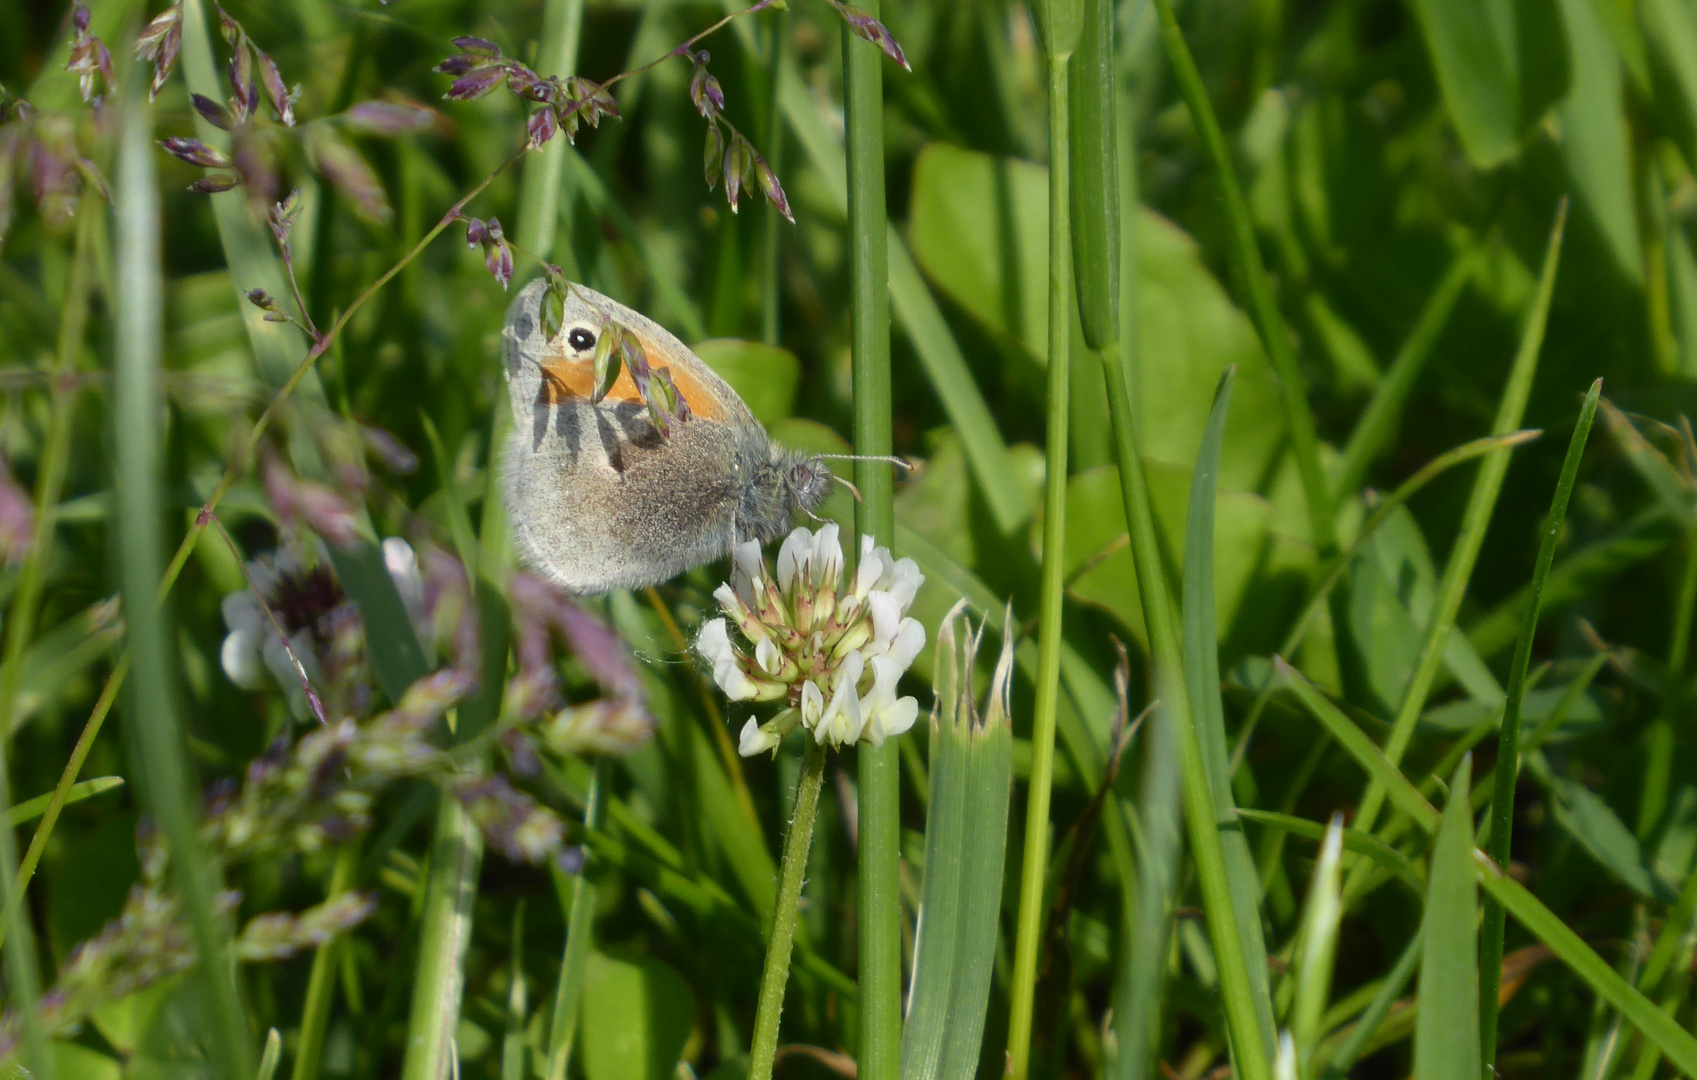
column 786, row 914
column 1052, row 586
column 321, row 983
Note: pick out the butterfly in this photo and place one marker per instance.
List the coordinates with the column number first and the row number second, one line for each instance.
column 616, row 493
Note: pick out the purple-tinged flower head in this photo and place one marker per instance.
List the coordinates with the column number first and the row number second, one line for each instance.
column 89, row 55
column 512, row 822
column 17, row 519
column 159, row 44
column 308, row 502
column 212, row 112
column 610, row 725
column 194, row 152
column 391, row 117
column 833, row 652
column 353, row 177
column 281, row 98
column 497, row 256
column 864, row 26
column 705, row 93
column 278, row 935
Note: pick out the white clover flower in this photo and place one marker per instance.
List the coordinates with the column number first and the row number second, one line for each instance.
column 806, row 632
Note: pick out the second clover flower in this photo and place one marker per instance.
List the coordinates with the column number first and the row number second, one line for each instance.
column 834, row 654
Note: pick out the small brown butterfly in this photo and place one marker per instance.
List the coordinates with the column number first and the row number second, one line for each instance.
column 615, row 493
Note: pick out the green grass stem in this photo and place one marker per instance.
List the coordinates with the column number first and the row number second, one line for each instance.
column 1446, row 1029
column 880, row 935
column 456, row 852
column 321, row 980
column 542, row 188
column 1482, row 500
column 1252, row 277
column 787, row 915
column 1034, row 865
column 1508, row 732
column 580, row 938
column 166, row 775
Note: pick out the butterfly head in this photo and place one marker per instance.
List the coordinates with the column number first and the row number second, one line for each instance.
column 808, row 479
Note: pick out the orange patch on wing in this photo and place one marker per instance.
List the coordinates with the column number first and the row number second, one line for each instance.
column 567, row 377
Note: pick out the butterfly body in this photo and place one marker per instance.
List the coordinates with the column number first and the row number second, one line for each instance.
column 598, row 496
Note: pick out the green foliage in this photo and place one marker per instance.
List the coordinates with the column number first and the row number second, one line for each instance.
column 1335, row 594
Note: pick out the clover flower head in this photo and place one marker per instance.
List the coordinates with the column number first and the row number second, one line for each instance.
column 834, row 651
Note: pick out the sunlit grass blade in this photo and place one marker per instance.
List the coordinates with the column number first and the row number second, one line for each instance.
column 166, row 775
column 271, row 1056
column 1679, row 1045
column 1317, row 948
column 1446, row 1030
column 965, row 849
column 1379, row 421
column 1508, row 732
column 1202, row 680
column 1481, row 502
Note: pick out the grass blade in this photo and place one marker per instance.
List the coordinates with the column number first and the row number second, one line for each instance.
column 450, row 889
column 1319, row 941
column 580, row 934
column 140, row 501
column 1353, row 840
column 1446, row 1030
column 1679, row 1045
column 1202, row 680
column 1508, row 732
column 1475, row 520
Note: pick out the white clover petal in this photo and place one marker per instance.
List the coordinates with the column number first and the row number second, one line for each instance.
column 812, row 704
column 241, row 659
column 843, row 719
column 755, row 739
column 730, row 602
column 714, row 643
column 909, row 640
column 885, row 714
column 735, row 682
column 794, row 555
column 750, row 572
column 826, row 571
column 886, row 613
column 766, row 654
column 891, row 721
column 904, row 582
column 874, row 561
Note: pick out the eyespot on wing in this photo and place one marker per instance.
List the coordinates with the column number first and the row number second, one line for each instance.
column 569, row 377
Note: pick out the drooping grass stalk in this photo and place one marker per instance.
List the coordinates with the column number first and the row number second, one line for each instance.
column 1060, row 22
column 139, row 500
column 1252, row 275
column 1679, row 1045
column 1475, row 520
column 445, row 931
column 786, row 914
column 580, row 934
column 1508, row 737
column 879, row 896
column 321, row 981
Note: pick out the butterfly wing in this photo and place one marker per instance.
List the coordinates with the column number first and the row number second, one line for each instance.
column 597, row 496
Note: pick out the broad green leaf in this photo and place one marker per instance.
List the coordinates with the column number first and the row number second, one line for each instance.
column 764, row 376
column 1446, row 1031
column 1670, row 29
column 1600, row 831
column 1585, row 716
column 73, row 1060
column 978, row 225
column 1472, row 49
column 636, row 1017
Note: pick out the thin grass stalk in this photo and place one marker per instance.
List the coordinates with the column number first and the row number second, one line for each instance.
column 1061, row 32
column 1659, row 739
column 540, row 191
column 879, row 895
column 321, row 981
column 1252, row 276
column 785, row 915
column 1471, row 535
column 772, row 222
column 166, row 775
column 1367, row 1024
column 445, row 931
column 50, row 482
column 1508, row 737
column 1319, row 941
column 580, row 936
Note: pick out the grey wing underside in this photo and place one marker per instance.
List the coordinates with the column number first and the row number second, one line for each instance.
column 598, row 500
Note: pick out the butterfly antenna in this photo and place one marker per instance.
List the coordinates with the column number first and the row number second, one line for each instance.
column 899, row 462
column 852, row 489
